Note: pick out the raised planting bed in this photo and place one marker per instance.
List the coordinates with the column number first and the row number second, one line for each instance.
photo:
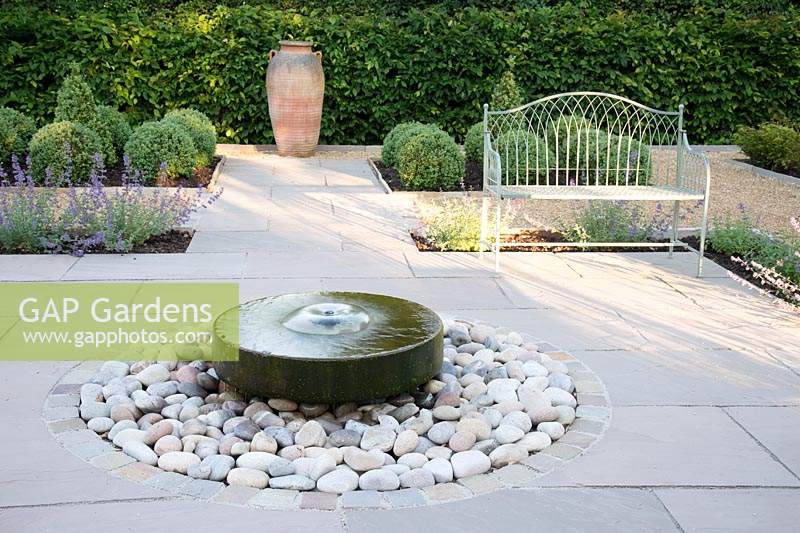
column 537, row 236
column 77, row 220
column 201, row 177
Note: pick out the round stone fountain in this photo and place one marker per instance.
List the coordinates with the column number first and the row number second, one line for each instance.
column 331, row 347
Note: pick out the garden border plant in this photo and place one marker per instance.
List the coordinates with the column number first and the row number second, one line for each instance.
column 80, row 220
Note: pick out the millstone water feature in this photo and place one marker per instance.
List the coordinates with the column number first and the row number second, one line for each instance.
column 332, row 347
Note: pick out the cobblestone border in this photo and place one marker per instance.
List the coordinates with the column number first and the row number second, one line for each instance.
column 593, row 417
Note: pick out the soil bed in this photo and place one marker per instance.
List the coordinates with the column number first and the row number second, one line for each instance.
column 473, row 179
column 172, row 242
column 533, row 236
column 201, row 177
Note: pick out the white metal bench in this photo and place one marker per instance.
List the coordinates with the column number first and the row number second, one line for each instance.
column 590, row 146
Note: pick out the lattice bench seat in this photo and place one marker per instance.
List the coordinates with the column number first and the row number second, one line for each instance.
column 590, row 146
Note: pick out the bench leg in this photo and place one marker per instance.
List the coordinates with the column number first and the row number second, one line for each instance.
column 484, row 226
column 675, row 212
column 703, row 229
column 497, row 235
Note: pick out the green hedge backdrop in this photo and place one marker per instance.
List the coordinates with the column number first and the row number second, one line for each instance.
column 427, row 61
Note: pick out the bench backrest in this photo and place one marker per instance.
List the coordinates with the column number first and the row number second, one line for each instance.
column 582, row 138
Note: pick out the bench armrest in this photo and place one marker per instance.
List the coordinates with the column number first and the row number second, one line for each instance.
column 696, row 170
column 492, row 170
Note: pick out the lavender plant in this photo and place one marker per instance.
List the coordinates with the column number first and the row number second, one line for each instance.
column 83, row 219
column 773, row 261
column 622, row 222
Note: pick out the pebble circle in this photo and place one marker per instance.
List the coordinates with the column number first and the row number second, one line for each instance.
column 504, row 410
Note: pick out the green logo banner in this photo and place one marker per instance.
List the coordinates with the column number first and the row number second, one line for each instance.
column 119, row 321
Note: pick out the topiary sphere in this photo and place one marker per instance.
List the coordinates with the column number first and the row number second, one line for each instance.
column 200, row 129
column 431, row 160
column 16, row 131
column 154, row 143
column 115, row 125
column 55, row 144
column 395, row 140
column 473, row 143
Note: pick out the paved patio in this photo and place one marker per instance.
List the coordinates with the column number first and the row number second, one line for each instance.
column 703, row 374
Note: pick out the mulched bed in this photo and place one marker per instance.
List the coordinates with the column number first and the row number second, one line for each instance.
column 473, row 179
column 201, row 177
column 424, row 245
column 172, row 242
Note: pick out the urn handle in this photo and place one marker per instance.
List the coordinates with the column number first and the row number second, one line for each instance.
column 319, row 55
column 272, row 54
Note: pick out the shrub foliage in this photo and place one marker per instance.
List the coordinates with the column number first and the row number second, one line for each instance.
column 774, row 146
column 154, row 144
column 200, row 129
column 15, row 132
column 397, row 138
column 473, row 143
column 423, row 62
column 63, row 147
column 430, row 160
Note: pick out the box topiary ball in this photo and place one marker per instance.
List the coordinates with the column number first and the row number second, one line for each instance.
column 200, row 129
column 431, row 160
column 154, row 143
column 16, row 131
column 56, row 145
column 395, row 140
column 473, row 143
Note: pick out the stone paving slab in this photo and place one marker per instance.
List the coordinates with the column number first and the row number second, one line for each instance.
column 651, row 320
column 449, row 265
column 719, row 377
column 668, row 446
column 734, row 510
column 157, row 266
column 339, row 265
column 633, row 264
column 158, row 515
column 249, row 289
column 571, row 330
column 35, row 267
column 253, row 241
column 532, row 510
column 776, row 428
column 476, row 294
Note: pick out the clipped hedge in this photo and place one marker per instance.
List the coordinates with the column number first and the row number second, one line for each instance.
column 429, row 63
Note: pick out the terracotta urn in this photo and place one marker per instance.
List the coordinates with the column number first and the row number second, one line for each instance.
column 295, row 89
